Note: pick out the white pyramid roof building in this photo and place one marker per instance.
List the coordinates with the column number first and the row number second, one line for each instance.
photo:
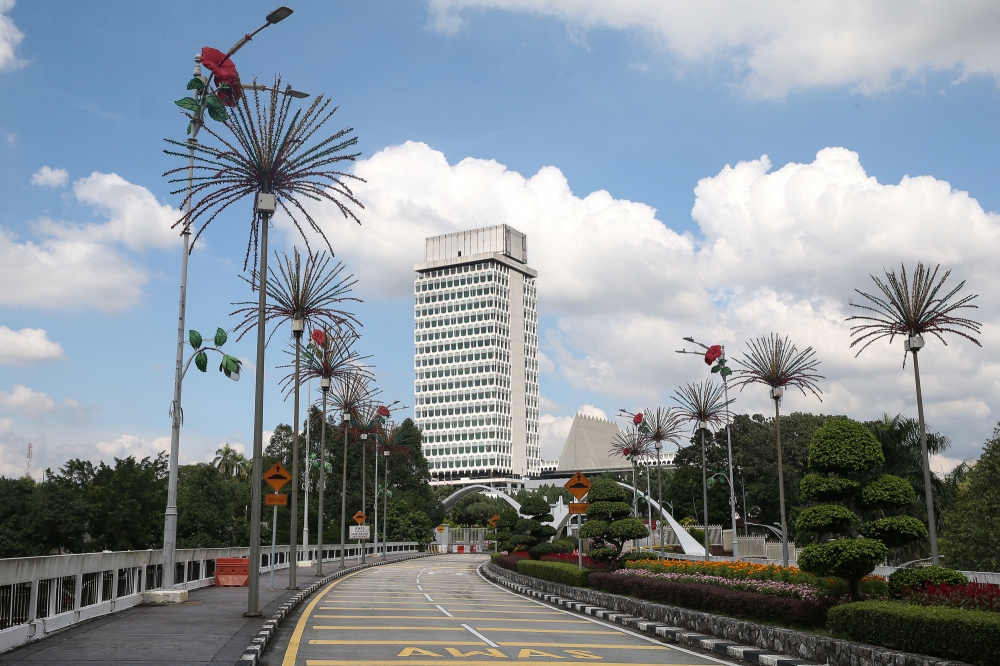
column 588, row 446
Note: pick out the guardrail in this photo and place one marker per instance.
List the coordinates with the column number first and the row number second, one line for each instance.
column 41, row 595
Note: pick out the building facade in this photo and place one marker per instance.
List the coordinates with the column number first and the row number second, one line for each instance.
column 476, row 358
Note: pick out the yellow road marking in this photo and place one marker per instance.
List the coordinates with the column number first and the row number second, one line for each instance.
column 489, row 611
column 382, row 628
column 355, row 608
column 327, row 641
column 435, row 662
column 431, row 617
column 293, row 643
column 548, row 631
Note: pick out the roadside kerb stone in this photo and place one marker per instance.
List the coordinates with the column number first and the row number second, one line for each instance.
column 253, row 651
column 735, row 639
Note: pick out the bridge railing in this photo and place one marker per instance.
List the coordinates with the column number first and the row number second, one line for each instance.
column 40, row 595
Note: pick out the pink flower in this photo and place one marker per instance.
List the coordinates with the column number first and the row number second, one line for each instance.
column 714, row 352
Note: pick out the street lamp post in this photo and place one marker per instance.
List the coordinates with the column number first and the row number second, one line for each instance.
column 324, row 385
column 659, row 492
column 305, row 482
column 729, row 442
column 176, row 410
column 345, row 419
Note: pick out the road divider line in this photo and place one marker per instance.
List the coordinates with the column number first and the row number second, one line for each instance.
column 479, row 635
column 444, row 611
column 384, row 628
column 292, row 650
column 428, row 597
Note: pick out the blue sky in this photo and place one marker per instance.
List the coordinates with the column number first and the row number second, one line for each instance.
column 588, row 125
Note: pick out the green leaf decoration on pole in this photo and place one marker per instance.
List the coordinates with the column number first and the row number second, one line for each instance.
column 195, row 84
column 216, row 109
column 195, row 338
column 189, row 103
column 201, row 360
column 230, row 367
column 220, row 337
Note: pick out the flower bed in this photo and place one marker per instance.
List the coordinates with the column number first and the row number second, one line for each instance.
column 801, row 612
column 775, row 588
column 970, row 596
column 509, row 562
column 570, row 558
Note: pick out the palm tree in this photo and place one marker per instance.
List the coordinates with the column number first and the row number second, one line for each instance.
column 228, row 461
column 704, row 403
column 911, row 309
column 351, row 395
column 775, row 362
column 330, row 357
column 308, row 297
column 662, row 425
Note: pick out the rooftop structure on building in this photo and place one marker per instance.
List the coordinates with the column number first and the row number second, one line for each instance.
column 476, row 358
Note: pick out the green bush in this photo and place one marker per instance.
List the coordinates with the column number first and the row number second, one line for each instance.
column 818, row 488
column 826, row 518
column 852, row 559
column 895, row 531
column 843, row 446
column 888, row 491
column 918, row 576
column 950, row 633
column 545, row 548
column 699, row 535
column 556, row 572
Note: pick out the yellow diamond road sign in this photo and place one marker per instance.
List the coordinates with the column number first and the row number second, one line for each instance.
column 359, row 517
column 578, row 485
column 277, row 476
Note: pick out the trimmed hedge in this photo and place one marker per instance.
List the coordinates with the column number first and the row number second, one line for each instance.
column 556, row 572
column 918, row 576
column 714, row 599
column 509, row 562
column 950, row 633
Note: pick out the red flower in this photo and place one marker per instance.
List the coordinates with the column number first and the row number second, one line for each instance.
column 319, row 337
column 383, row 411
column 627, row 452
column 637, row 419
column 224, row 69
column 714, row 352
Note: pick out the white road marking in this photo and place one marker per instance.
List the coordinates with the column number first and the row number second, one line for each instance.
column 480, row 636
column 428, row 597
column 443, row 611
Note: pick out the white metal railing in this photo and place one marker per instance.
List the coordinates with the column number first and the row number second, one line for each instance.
column 40, row 595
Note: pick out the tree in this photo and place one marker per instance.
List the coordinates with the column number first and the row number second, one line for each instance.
column 610, row 518
column 846, row 489
column 212, row 508
column 911, row 310
column 777, row 363
column 971, row 538
column 475, row 510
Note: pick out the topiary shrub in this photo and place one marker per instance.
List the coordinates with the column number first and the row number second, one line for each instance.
column 537, row 551
column 843, row 455
column 516, row 532
column 950, row 633
column 609, row 517
column 556, row 572
column 919, row 576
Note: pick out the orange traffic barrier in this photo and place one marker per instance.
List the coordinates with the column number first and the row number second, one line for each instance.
column 232, row 572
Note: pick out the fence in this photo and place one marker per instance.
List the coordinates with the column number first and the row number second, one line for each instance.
column 40, row 595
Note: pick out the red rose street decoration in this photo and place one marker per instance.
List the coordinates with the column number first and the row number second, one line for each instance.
column 383, row 411
column 319, row 337
column 637, row 419
column 225, row 73
column 714, row 352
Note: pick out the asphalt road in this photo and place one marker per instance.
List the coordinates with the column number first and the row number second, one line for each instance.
column 439, row 610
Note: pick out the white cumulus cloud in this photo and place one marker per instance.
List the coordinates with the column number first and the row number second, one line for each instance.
column 49, row 177
column 28, row 346
column 26, row 402
column 132, row 445
column 776, row 46
column 10, row 37
column 779, row 250
column 82, row 265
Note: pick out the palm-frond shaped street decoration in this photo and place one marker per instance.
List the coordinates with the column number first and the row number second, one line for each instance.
column 661, row 426
column 705, row 404
column 777, row 363
column 632, row 445
column 909, row 309
column 270, row 152
column 313, row 291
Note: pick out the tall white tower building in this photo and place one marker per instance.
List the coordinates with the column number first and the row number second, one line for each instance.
column 476, row 358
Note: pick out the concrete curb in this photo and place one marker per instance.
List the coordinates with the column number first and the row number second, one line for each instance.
column 842, row 653
column 253, row 651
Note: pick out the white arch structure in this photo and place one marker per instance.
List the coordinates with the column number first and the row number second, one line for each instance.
column 562, row 515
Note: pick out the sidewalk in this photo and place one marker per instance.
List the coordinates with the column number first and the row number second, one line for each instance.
column 209, row 628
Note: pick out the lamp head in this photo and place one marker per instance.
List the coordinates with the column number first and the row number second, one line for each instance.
column 689, row 339
column 279, row 14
